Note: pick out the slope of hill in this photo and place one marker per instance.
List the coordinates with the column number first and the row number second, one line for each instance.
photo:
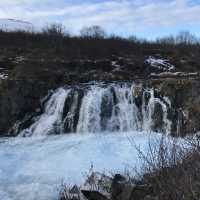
column 34, row 63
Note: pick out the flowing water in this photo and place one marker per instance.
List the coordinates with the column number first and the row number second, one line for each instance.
column 110, row 107
column 33, row 168
column 102, row 117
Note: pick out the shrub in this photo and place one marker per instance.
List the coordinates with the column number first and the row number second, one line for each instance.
column 173, row 170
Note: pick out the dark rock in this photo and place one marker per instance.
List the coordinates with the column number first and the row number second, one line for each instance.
column 118, row 178
column 106, row 109
column 138, row 93
column 19, row 99
column 184, row 111
column 121, row 188
column 93, row 195
column 141, row 192
column 157, row 118
column 74, row 190
column 71, row 110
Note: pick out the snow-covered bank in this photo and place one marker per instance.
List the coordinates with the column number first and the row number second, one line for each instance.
column 35, row 167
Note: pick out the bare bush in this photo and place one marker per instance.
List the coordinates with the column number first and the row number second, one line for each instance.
column 55, row 30
column 172, row 169
column 93, row 32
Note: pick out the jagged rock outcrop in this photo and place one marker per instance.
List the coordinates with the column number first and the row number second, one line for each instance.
column 71, row 110
column 18, row 99
column 185, row 102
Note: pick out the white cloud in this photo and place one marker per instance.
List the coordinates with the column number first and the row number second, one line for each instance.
column 127, row 15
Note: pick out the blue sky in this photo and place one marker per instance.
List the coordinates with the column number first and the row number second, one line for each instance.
column 144, row 18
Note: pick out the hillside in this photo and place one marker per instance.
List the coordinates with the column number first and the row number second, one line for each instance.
column 31, row 64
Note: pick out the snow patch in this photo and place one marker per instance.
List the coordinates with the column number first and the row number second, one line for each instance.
column 19, row 59
column 114, row 63
column 159, row 63
column 175, row 74
column 3, row 76
column 116, row 66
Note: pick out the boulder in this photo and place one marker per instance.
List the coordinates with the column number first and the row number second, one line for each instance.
column 121, row 188
column 93, row 195
column 141, row 192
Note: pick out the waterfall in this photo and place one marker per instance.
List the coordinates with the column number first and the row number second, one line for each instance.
column 166, row 122
column 89, row 116
column 149, row 110
column 102, row 107
column 108, row 109
column 51, row 119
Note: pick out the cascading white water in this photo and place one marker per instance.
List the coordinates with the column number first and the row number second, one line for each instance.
column 148, row 110
column 166, row 122
column 110, row 108
column 125, row 113
column 51, row 119
column 89, row 116
column 30, row 167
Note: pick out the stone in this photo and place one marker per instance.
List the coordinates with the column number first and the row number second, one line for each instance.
column 93, row 195
column 141, row 192
column 121, row 188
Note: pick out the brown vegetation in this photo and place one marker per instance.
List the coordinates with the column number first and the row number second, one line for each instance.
column 170, row 171
column 93, row 42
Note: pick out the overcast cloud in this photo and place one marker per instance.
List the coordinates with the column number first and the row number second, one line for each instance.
column 148, row 18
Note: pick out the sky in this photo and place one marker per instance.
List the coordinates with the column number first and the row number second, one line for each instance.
column 144, row 18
